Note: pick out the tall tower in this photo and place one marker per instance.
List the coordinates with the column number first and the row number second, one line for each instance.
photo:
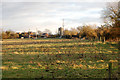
column 63, row 23
column 63, row 28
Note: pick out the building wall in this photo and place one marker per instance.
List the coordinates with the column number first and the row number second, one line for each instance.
column 60, row 31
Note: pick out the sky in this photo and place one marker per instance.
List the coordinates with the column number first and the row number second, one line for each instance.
column 28, row 15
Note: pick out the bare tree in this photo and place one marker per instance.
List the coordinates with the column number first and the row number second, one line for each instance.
column 111, row 14
column 39, row 32
column 47, row 31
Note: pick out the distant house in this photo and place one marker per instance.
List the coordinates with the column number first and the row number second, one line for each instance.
column 33, row 35
column 28, row 35
column 44, row 35
column 24, row 34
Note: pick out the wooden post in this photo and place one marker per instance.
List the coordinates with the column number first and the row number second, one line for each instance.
column 100, row 38
column 110, row 70
column 119, row 59
column 119, row 63
column 104, row 39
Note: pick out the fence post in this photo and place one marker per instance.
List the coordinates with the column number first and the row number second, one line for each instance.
column 119, row 57
column 110, row 70
column 100, row 38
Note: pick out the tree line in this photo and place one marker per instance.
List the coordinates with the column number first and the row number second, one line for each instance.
column 109, row 31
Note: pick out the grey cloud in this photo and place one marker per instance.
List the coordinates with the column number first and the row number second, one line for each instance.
column 60, row 0
column 22, row 15
column 83, row 20
column 14, row 9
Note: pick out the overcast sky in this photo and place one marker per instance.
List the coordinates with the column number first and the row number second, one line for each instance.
column 22, row 16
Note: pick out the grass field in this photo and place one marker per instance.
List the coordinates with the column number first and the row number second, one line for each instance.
column 58, row 58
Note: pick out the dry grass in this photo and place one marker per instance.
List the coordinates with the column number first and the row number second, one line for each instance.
column 62, row 57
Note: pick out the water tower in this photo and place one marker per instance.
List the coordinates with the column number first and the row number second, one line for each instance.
column 61, row 30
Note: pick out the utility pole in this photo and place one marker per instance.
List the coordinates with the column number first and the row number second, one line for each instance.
column 63, row 28
column 63, row 23
column 29, row 33
column 36, row 33
column 1, row 34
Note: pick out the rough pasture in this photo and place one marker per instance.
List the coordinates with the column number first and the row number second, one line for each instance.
column 58, row 58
